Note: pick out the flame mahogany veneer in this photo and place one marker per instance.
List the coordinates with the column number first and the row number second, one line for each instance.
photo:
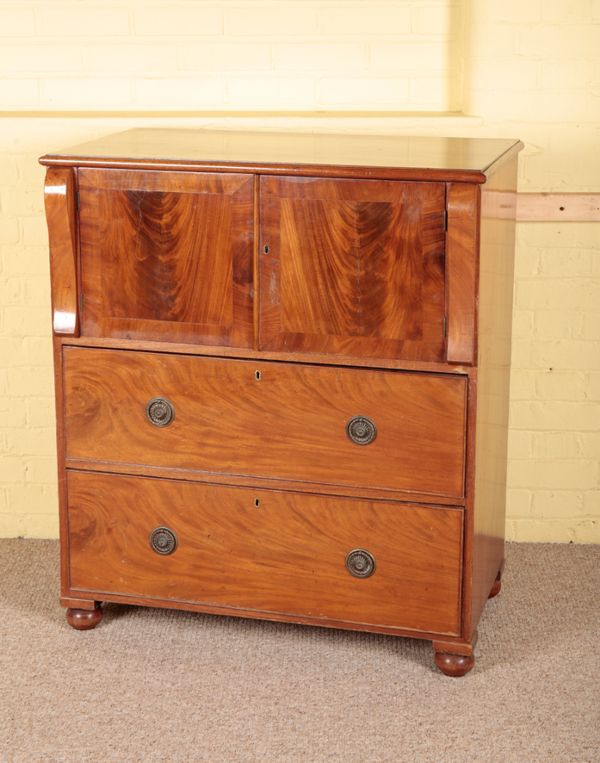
column 282, row 377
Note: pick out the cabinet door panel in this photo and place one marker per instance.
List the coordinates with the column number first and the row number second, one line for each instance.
column 353, row 267
column 167, row 256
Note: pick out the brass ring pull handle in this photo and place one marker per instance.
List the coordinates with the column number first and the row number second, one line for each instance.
column 163, row 541
column 361, row 430
column 360, row 563
column 160, row 411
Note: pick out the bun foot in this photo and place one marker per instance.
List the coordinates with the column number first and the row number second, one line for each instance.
column 455, row 658
column 84, row 619
column 496, row 587
column 455, row 665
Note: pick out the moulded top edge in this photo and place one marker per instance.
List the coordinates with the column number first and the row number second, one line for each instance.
column 381, row 156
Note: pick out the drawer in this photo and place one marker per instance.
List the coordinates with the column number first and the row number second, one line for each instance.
column 266, row 551
column 275, row 420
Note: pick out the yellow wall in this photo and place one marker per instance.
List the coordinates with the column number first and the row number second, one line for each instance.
column 71, row 71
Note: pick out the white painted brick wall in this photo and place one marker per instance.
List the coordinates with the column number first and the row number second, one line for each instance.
column 534, row 72
column 527, row 69
column 185, row 55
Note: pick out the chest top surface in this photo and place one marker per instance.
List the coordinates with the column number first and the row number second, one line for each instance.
column 396, row 157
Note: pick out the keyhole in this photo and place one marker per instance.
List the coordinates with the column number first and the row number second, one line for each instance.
column 257, row 502
column 257, row 375
column 266, row 249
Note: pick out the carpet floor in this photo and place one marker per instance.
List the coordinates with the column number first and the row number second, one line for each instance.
column 156, row 685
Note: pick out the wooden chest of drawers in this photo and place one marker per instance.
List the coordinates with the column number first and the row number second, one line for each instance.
column 282, row 377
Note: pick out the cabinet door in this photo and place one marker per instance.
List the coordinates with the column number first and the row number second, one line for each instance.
column 353, row 267
column 167, row 255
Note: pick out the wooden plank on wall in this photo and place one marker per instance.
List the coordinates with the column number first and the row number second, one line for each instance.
column 565, row 207
column 545, row 207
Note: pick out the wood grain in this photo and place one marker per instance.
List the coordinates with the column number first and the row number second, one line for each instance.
column 492, row 397
column 496, row 587
column 548, row 207
column 542, row 206
column 84, row 619
column 167, row 256
column 241, row 353
column 289, row 424
column 455, row 658
column 393, row 157
column 369, row 492
column 461, row 271
column 57, row 349
column 353, row 266
column 285, row 555
column 60, row 203
column 266, row 356
column 454, row 665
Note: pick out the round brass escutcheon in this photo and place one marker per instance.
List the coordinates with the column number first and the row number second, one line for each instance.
column 160, row 411
column 360, row 563
column 163, row 541
column 361, row 430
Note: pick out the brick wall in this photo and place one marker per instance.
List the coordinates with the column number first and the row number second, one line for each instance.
column 232, row 54
column 534, row 72
column 72, row 71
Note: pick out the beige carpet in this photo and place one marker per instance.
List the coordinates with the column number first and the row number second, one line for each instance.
column 151, row 685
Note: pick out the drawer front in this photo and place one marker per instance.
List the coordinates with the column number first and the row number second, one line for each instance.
column 266, row 550
column 272, row 420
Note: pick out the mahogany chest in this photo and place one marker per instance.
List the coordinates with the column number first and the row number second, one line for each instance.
column 282, row 368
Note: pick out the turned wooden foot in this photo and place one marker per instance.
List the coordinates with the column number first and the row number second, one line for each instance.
column 455, row 665
column 455, row 658
column 497, row 586
column 84, row 619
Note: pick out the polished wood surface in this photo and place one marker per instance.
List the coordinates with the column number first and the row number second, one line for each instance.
column 148, row 242
column 352, row 266
column 454, row 665
column 461, row 270
column 60, row 203
column 315, row 358
column 57, row 352
column 374, row 493
column 496, row 277
column 455, row 657
column 289, row 423
column 267, row 550
column 257, row 614
column 74, row 603
column 84, row 619
column 272, row 288
column 497, row 587
column 378, row 156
